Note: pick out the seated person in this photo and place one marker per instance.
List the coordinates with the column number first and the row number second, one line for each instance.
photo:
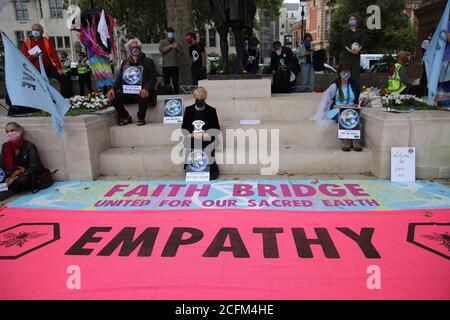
column 147, row 94
column 19, row 161
column 200, row 128
column 342, row 93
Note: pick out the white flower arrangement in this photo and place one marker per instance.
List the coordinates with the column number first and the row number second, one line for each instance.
column 400, row 99
column 92, row 101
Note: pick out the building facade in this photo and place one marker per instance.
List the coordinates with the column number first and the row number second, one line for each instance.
column 17, row 17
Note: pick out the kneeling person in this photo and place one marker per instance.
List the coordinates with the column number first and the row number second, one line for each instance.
column 136, row 71
column 201, row 127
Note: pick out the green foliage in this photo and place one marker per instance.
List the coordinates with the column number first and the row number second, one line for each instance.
column 147, row 20
column 216, row 66
column 140, row 19
column 395, row 33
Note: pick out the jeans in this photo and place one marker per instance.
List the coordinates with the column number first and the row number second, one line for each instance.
column 307, row 74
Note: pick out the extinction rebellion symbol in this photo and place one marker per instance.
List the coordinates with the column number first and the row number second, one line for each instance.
column 25, row 238
column 433, row 237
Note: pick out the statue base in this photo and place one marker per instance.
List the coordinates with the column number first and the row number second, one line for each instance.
column 234, row 86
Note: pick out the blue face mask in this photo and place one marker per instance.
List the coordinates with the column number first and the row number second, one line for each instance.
column 35, row 34
column 352, row 22
column 345, row 75
column 170, row 35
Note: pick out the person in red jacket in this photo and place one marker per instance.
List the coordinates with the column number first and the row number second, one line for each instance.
column 38, row 44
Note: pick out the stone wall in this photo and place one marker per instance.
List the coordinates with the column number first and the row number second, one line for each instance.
column 427, row 131
column 75, row 157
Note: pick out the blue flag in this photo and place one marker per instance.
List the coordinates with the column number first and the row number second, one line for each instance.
column 28, row 87
column 434, row 54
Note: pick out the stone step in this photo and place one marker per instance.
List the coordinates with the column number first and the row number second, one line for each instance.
column 147, row 161
column 302, row 133
column 279, row 107
column 287, row 176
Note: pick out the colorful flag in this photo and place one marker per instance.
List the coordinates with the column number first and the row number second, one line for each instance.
column 433, row 57
column 28, row 87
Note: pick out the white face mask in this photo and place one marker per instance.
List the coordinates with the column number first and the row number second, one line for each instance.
column 278, row 52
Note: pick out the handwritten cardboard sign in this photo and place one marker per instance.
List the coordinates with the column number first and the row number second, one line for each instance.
column 403, row 164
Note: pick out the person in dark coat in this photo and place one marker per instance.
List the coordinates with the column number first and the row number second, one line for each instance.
column 352, row 42
column 201, row 128
column 19, row 161
column 146, row 95
column 252, row 55
column 281, row 65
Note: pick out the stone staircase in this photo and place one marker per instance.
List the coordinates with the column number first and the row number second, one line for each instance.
column 303, row 148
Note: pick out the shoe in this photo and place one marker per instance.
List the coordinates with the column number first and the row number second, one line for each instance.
column 357, row 145
column 141, row 123
column 124, row 121
column 346, row 145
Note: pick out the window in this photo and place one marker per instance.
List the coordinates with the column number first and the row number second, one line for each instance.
column 56, row 9
column 59, row 42
column 52, row 40
column 41, row 14
column 212, row 37
column 22, row 10
column 66, row 42
column 232, row 40
column 20, row 38
column 202, row 34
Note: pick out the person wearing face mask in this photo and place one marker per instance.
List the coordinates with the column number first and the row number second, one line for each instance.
column 198, row 56
column 252, row 55
column 137, row 70
column 398, row 81
column 305, row 59
column 170, row 51
column 19, row 161
column 352, row 42
column 37, row 45
column 281, row 65
column 342, row 93
column 201, row 127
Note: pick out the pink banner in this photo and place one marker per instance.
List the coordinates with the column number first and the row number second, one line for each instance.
column 224, row 254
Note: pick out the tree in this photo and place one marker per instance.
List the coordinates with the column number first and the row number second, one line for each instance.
column 146, row 20
column 395, row 33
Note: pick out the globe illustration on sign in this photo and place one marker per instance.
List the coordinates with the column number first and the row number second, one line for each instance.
column 197, row 161
column 349, row 119
column 2, row 175
column 132, row 75
column 173, row 108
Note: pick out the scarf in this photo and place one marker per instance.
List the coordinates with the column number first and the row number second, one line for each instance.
column 10, row 146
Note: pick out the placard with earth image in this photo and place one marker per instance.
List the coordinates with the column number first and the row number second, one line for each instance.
column 173, row 110
column 349, row 122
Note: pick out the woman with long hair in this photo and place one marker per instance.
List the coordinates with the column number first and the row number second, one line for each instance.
column 342, row 93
